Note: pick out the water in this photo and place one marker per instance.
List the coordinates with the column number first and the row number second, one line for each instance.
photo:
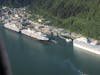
column 32, row 57
column 88, row 62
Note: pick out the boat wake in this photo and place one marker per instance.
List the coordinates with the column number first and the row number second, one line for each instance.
column 76, row 70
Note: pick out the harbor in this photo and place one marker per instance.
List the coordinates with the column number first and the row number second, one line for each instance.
column 49, row 37
column 30, row 56
column 16, row 19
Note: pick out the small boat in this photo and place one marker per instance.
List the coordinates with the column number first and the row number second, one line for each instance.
column 54, row 41
column 68, row 40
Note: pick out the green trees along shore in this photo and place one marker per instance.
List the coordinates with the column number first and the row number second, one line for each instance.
column 80, row 16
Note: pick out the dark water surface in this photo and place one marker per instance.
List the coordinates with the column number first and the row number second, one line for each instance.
column 32, row 57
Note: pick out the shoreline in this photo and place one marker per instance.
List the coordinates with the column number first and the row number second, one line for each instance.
column 17, row 20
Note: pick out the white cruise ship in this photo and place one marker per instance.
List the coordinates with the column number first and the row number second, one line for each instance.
column 34, row 34
column 88, row 45
column 12, row 26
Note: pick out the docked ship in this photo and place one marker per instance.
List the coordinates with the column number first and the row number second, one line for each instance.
column 12, row 26
column 34, row 34
column 87, row 44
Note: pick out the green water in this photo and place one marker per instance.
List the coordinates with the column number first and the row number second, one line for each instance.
column 32, row 57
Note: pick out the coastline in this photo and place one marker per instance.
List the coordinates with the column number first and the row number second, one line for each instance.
column 20, row 14
column 17, row 21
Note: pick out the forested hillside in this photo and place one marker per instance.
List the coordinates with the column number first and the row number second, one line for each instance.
column 80, row 16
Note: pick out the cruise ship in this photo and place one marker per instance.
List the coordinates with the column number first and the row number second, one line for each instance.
column 87, row 44
column 12, row 26
column 34, row 34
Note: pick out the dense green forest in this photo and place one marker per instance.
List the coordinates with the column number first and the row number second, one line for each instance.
column 80, row 16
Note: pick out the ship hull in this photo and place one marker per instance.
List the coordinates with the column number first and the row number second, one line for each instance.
column 86, row 48
column 33, row 35
column 12, row 28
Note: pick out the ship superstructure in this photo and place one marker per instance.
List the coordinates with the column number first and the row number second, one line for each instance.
column 12, row 26
column 34, row 34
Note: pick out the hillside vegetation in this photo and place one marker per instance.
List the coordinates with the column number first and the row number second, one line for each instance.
column 80, row 16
